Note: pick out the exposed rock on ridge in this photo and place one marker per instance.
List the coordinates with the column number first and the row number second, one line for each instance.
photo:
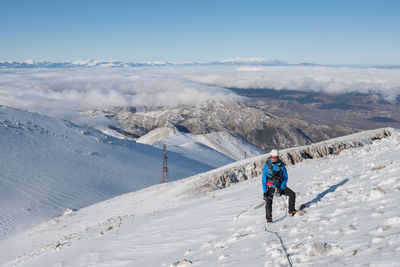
column 252, row 168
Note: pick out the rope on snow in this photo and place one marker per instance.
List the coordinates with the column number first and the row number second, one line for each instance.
column 276, row 233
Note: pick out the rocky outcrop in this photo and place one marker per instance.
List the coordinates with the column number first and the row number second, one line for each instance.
column 249, row 123
column 252, row 168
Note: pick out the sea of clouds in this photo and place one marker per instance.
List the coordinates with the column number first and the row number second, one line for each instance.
column 102, row 88
column 75, row 89
column 331, row 80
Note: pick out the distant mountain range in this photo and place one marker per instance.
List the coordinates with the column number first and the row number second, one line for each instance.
column 237, row 61
column 119, row 64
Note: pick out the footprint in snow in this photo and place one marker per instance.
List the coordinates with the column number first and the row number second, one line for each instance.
column 376, row 193
column 379, row 230
column 320, row 249
column 350, row 229
column 236, row 237
column 223, row 257
column 183, row 262
column 377, row 214
column 206, row 245
column 343, row 167
column 219, row 246
column 378, row 239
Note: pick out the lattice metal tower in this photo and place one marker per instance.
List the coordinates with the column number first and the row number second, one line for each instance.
column 164, row 178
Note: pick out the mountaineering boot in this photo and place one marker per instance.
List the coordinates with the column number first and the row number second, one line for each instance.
column 293, row 212
column 269, row 219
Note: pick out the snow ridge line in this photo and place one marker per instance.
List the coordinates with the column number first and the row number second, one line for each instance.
column 252, row 168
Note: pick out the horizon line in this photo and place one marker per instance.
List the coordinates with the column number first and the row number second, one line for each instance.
column 254, row 61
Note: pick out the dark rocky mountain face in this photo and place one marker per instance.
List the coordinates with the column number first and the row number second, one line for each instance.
column 349, row 110
column 256, row 126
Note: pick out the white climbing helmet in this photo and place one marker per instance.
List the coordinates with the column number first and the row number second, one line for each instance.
column 275, row 152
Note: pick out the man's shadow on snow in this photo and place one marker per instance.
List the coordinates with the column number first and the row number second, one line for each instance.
column 321, row 195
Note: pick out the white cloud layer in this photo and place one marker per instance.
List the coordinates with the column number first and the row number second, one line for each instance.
column 80, row 89
column 86, row 88
column 330, row 80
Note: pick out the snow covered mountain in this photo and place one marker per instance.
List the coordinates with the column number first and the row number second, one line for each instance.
column 351, row 217
column 218, row 143
column 88, row 63
column 236, row 61
column 48, row 165
column 256, row 127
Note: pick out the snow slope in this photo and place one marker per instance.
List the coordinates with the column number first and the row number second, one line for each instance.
column 223, row 146
column 352, row 219
column 48, row 165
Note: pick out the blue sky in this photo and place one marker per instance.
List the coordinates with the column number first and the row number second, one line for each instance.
column 328, row 32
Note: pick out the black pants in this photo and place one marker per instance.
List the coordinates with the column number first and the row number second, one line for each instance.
column 288, row 192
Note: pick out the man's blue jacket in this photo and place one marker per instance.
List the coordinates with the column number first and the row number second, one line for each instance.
column 267, row 176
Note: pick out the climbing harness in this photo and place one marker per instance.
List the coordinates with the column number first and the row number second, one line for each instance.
column 275, row 177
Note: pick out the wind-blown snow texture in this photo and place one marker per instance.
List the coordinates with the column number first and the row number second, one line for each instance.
column 352, row 219
column 48, row 165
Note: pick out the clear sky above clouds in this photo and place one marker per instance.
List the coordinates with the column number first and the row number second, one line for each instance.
column 328, row 32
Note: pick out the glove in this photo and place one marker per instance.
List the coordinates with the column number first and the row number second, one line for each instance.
column 280, row 191
column 265, row 196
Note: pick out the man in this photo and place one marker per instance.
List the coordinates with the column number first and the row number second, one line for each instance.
column 275, row 177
